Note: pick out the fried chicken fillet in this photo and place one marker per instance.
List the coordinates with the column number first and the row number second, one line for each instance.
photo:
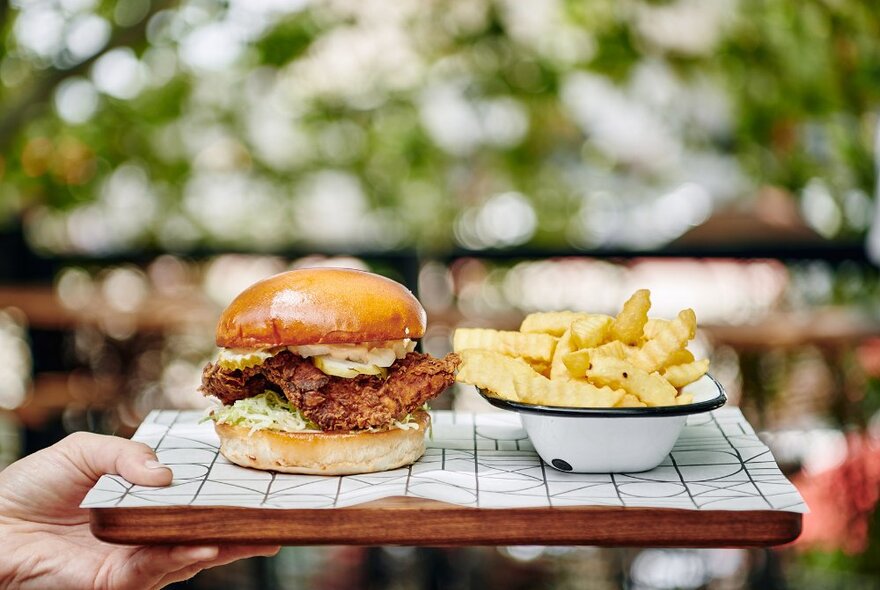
column 336, row 403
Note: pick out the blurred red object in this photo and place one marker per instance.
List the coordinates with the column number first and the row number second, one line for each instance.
column 842, row 499
column 868, row 353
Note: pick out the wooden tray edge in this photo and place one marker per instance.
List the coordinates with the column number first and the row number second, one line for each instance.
column 408, row 521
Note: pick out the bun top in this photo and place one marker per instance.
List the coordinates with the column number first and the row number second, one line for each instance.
column 320, row 306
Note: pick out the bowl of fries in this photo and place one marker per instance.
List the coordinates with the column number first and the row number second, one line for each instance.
column 610, row 440
column 596, row 393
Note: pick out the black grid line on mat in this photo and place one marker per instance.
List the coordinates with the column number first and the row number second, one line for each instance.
column 479, row 462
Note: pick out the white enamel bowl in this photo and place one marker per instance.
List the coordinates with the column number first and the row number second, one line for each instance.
column 610, row 440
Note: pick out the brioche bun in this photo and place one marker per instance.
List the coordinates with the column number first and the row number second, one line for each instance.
column 324, row 453
column 320, row 306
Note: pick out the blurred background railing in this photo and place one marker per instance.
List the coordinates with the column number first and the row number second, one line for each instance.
column 498, row 157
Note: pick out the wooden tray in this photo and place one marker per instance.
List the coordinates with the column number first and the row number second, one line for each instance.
column 410, row 521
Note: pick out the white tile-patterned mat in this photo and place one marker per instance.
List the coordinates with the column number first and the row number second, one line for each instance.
column 480, row 460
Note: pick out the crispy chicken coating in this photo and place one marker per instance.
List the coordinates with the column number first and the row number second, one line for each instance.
column 336, row 403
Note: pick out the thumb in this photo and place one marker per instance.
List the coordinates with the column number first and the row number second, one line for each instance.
column 95, row 455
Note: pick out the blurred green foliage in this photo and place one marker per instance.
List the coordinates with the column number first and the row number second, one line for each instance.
column 424, row 113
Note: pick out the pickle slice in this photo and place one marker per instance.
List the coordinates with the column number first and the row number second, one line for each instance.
column 234, row 360
column 347, row 369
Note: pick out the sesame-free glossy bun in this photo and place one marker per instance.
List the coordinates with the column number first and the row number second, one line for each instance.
column 320, row 306
column 324, row 453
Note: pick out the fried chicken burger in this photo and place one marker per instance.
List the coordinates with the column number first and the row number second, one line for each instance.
column 317, row 374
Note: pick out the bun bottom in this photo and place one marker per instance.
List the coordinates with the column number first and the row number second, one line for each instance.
column 324, row 453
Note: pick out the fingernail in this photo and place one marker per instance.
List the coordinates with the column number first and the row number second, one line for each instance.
column 203, row 553
column 153, row 464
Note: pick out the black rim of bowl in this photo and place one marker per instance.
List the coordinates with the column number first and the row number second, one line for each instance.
column 660, row 411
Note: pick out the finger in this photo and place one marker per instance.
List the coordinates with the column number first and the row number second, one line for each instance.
column 144, row 567
column 230, row 553
column 176, row 564
column 97, row 454
column 227, row 555
column 166, row 558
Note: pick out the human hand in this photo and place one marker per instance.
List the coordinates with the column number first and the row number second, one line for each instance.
column 45, row 540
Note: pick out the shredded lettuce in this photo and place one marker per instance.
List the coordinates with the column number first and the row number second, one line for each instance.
column 408, row 423
column 266, row 411
column 272, row 411
column 427, row 408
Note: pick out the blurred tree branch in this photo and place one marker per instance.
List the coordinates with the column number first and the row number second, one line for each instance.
column 5, row 27
column 23, row 106
column 290, row 101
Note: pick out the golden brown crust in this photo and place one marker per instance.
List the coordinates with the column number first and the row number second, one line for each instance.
column 320, row 306
column 324, row 453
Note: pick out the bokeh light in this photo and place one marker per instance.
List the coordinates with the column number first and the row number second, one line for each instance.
column 499, row 158
column 15, row 355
